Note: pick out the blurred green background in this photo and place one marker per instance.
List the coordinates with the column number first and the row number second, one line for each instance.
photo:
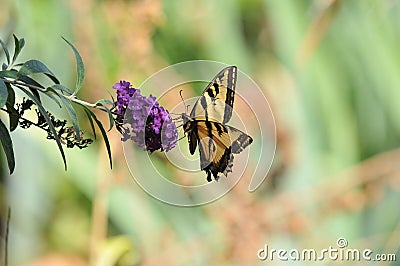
column 331, row 72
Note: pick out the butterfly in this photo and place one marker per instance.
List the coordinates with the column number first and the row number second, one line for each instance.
column 206, row 127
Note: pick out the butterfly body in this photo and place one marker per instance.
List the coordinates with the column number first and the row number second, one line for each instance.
column 206, row 127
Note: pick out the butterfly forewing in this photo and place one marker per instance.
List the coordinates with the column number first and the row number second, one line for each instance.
column 216, row 101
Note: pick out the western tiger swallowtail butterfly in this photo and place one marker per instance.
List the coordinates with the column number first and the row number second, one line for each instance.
column 206, row 127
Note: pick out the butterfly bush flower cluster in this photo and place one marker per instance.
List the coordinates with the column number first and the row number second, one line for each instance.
column 124, row 93
column 143, row 120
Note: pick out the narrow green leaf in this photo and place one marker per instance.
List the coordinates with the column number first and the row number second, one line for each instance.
column 13, row 117
column 17, row 48
column 62, row 88
column 58, row 87
column 6, row 52
column 104, row 102
column 91, row 123
column 80, row 68
column 103, row 133
column 3, row 93
column 35, row 92
column 6, row 142
column 11, row 94
column 34, row 67
column 48, row 120
column 19, row 44
column 51, row 96
column 71, row 112
column 110, row 118
column 12, row 112
column 12, row 74
column 32, row 82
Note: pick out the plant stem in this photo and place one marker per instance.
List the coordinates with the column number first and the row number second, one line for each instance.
column 76, row 100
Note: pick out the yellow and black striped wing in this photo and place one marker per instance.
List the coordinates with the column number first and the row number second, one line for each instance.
column 216, row 101
column 217, row 144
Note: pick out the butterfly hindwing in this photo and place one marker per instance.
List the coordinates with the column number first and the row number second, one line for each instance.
column 217, row 144
column 216, row 101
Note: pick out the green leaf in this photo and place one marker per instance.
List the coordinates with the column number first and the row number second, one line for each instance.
column 71, row 112
column 54, row 98
column 48, row 120
column 103, row 102
column 110, row 118
column 6, row 52
column 19, row 44
column 11, row 94
column 34, row 67
column 62, row 88
column 12, row 74
column 91, row 124
column 103, row 132
column 3, row 93
column 13, row 116
column 33, row 82
column 80, row 68
column 12, row 112
column 6, row 142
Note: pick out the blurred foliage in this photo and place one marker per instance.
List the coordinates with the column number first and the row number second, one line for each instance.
column 330, row 72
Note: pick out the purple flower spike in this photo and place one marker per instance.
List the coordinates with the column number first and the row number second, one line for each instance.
column 150, row 125
column 124, row 93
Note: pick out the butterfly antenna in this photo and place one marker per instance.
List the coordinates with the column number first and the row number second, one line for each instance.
column 180, row 93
